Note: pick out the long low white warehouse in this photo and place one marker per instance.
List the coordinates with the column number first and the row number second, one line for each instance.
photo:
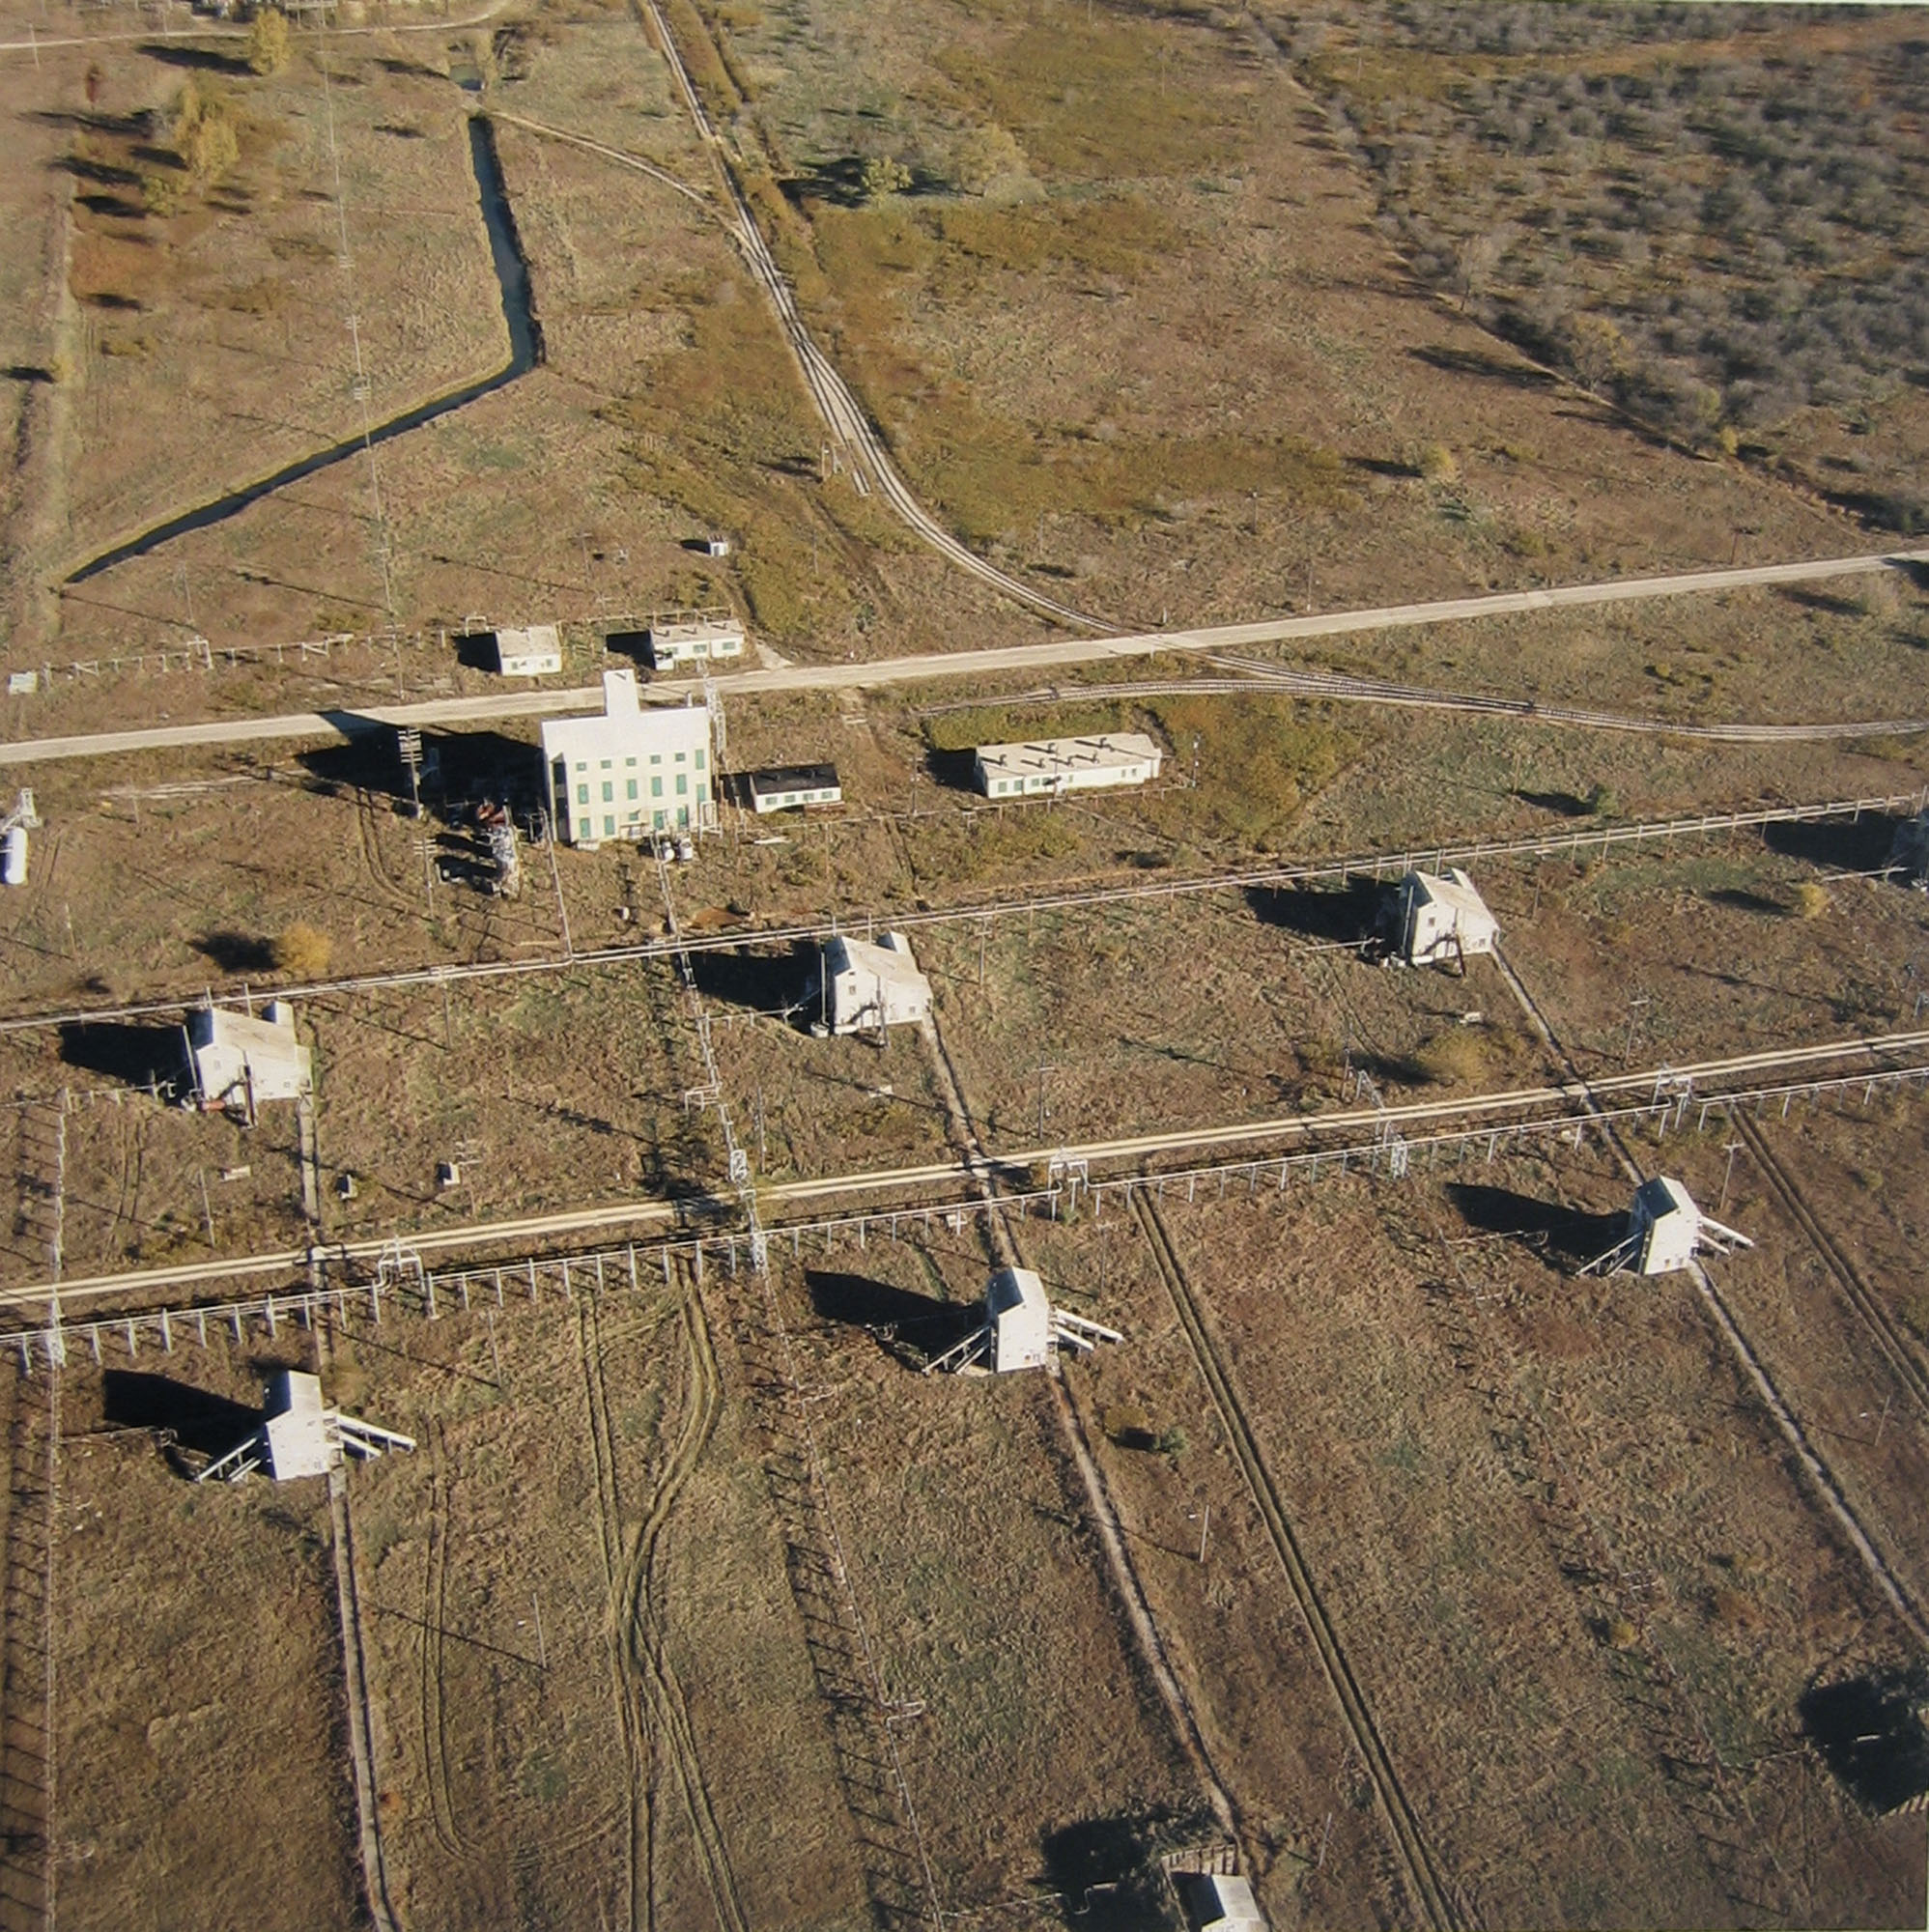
column 1051, row 765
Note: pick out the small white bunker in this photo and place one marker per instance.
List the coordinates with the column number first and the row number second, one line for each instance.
column 1441, row 918
column 864, row 987
column 1666, row 1232
column 301, row 1435
column 534, row 651
column 239, row 1060
column 693, row 637
column 1021, row 1331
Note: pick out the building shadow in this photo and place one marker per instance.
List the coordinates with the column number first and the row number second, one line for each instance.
column 632, row 644
column 1569, row 1235
column 909, row 1328
column 1825, row 601
column 760, row 981
column 193, row 1420
column 1859, row 845
column 456, row 768
column 1336, row 914
column 475, row 650
column 1107, row 1868
column 1870, row 1733
column 141, row 1056
column 957, row 771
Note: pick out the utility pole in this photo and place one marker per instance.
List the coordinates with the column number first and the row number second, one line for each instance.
column 1637, row 1006
column 1044, row 1066
column 1731, row 1148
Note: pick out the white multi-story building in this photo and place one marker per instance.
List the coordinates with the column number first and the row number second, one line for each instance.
column 1051, row 765
column 631, row 772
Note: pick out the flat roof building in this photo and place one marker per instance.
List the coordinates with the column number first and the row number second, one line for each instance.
column 865, row 987
column 533, row 652
column 1053, row 765
column 784, row 787
column 1442, row 919
column 697, row 639
column 240, row 1060
column 631, row 772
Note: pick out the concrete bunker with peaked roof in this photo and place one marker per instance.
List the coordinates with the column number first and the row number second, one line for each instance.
column 863, row 987
column 1021, row 1331
column 1665, row 1231
column 239, row 1060
column 301, row 1435
column 1439, row 918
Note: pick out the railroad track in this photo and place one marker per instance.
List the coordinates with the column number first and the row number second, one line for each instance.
column 1432, row 1892
column 1343, row 688
column 835, row 403
column 1888, row 1337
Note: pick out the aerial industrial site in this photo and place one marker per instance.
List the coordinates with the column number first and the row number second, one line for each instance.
column 964, row 965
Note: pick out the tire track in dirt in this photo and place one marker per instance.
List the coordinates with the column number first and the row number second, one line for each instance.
column 655, row 1713
column 638, row 1833
column 1824, row 1484
column 835, row 403
column 1644, row 1675
column 1862, row 1298
column 435, row 1602
column 642, row 1601
column 1432, row 1891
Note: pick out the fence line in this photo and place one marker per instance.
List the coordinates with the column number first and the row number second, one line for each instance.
column 401, row 1284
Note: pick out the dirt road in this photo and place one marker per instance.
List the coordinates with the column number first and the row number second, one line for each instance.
column 1207, row 641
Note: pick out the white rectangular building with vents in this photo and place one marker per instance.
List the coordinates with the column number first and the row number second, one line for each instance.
column 631, row 772
column 1051, row 765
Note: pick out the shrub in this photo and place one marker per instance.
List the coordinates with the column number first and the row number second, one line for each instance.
column 301, row 951
column 1811, row 901
column 881, row 178
column 1436, row 464
column 267, row 41
column 1172, row 1442
column 1449, row 1058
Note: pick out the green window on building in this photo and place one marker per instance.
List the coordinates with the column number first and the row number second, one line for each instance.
column 608, row 827
column 609, row 791
column 631, row 787
column 699, row 761
column 682, row 785
column 583, row 794
column 656, row 787
column 582, row 829
column 659, row 820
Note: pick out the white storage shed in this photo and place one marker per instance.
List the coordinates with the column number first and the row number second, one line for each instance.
column 1019, row 1319
column 1049, row 766
column 1442, row 919
column 243, row 1060
column 532, row 652
column 863, row 987
column 692, row 639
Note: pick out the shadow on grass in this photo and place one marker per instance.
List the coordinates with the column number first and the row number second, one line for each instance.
column 199, row 1423
column 1566, row 1236
column 1870, row 1733
column 908, row 1327
column 1337, row 914
column 142, row 1055
column 1861, row 845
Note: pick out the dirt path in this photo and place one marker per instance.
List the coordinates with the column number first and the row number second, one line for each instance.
column 843, row 414
column 1433, row 1891
column 1065, row 651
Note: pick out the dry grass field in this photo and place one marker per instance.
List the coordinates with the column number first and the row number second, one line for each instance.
column 697, row 1606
